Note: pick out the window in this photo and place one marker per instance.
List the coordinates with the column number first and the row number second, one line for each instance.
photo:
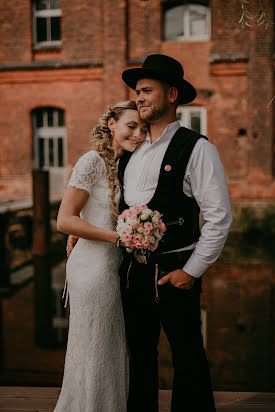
column 49, row 138
column 46, row 23
column 187, row 22
column 192, row 117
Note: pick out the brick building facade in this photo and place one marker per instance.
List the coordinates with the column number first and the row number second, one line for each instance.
column 65, row 58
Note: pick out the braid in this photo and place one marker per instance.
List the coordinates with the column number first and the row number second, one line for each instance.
column 102, row 143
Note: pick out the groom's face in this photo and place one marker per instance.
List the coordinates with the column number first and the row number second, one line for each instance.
column 152, row 99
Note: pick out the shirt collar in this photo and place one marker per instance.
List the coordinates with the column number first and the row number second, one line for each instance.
column 167, row 134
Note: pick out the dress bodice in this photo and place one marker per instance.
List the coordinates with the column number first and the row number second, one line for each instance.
column 90, row 174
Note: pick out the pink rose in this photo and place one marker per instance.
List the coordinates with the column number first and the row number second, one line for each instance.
column 127, row 230
column 146, row 232
column 148, row 225
column 160, row 224
column 157, row 213
column 137, row 209
column 138, row 245
column 154, row 246
column 145, row 243
column 138, row 239
column 143, row 207
column 157, row 234
column 163, row 225
column 134, row 222
column 130, row 212
column 126, row 238
column 132, row 243
column 140, row 230
column 123, row 214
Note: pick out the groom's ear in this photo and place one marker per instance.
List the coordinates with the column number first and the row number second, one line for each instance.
column 173, row 94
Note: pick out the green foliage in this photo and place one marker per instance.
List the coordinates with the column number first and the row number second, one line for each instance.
column 257, row 223
column 247, row 18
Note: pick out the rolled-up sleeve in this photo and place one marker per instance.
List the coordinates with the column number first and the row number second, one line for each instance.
column 205, row 180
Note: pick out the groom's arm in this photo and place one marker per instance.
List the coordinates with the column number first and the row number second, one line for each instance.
column 71, row 242
column 205, row 181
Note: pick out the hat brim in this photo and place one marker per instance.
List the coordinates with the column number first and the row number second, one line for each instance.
column 187, row 92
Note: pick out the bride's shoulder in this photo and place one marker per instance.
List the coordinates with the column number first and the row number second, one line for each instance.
column 88, row 170
column 92, row 155
column 91, row 160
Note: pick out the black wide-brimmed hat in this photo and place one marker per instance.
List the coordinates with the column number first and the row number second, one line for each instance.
column 165, row 68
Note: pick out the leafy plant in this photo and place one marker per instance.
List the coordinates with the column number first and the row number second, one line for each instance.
column 247, row 18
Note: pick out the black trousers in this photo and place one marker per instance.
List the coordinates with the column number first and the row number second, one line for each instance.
column 178, row 312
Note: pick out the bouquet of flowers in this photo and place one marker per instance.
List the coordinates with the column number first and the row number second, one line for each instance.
column 140, row 228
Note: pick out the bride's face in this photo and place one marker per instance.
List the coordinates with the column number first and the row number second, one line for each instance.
column 128, row 132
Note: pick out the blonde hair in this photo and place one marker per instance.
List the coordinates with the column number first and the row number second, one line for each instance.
column 102, row 142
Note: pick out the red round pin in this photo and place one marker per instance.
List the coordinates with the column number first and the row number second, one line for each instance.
column 167, row 168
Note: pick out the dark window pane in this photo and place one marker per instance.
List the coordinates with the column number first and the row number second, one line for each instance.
column 41, row 152
column 61, row 120
column 50, row 117
column 42, row 4
column 51, row 152
column 178, row 116
column 60, row 152
column 41, row 29
column 55, row 4
column 55, row 28
column 196, row 122
column 173, row 24
column 39, row 118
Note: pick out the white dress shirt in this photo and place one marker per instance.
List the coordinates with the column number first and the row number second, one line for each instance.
column 204, row 180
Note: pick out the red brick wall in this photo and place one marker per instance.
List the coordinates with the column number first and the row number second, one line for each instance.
column 227, row 36
column 77, row 91
column 233, row 74
column 15, row 31
column 82, row 30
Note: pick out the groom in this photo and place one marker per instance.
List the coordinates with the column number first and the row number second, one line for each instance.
column 179, row 173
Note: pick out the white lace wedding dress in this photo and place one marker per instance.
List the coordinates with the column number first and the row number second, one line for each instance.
column 96, row 364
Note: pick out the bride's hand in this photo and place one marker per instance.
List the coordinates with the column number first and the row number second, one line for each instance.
column 127, row 247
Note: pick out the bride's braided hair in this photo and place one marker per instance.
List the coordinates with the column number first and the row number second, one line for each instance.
column 102, row 142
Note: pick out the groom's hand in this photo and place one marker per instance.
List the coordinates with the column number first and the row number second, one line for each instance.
column 179, row 279
column 71, row 242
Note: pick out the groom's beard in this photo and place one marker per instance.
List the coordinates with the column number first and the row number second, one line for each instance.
column 154, row 113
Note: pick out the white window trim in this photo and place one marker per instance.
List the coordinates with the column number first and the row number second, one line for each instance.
column 49, row 133
column 44, row 13
column 188, row 110
column 195, row 37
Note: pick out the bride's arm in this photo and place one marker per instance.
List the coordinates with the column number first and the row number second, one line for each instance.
column 68, row 220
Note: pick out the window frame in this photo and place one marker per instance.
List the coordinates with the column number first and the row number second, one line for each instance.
column 186, row 23
column 45, row 13
column 187, row 110
column 49, row 132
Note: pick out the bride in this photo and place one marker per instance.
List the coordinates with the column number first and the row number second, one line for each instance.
column 96, row 365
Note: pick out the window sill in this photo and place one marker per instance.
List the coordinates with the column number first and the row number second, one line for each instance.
column 187, row 40
column 48, row 46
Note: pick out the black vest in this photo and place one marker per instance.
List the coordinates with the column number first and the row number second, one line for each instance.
column 180, row 212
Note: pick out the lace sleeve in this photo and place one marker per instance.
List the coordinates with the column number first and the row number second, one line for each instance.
column 89, row 169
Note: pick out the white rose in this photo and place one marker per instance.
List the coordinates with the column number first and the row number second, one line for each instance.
column 155, row 219
column 152, row 239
